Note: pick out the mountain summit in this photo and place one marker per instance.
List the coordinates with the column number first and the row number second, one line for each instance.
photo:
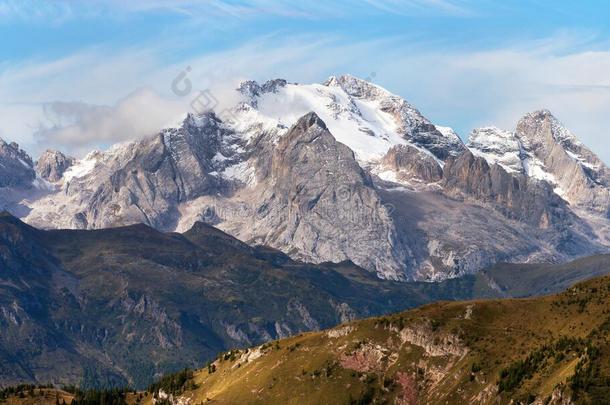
column 16, row 166
column 544, row 149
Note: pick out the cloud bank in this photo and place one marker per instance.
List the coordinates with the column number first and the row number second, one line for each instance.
column 83, row 126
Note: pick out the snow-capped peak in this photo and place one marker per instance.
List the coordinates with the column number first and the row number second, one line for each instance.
column 449, row 133
column 357, row 87
column 511, row 152
column 539, row 127
column 403, row 112
column 544, row 149
column 540, row 131
column 365, row 117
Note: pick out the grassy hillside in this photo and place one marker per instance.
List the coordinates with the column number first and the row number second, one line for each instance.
column 547, row 349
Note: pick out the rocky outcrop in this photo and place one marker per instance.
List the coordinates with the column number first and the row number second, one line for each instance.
column 514, row 194
column 412, row 164
column 252, row 89
column 16, row 166
column 52, row 165
column 434, row 345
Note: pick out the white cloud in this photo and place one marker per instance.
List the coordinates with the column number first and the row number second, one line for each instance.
column 97, row 75
column 87, row 85
column 76, row 126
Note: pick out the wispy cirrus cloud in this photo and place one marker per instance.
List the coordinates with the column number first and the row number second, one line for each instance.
column 57, row 11
column 291, row 8
column 448, row 7
column 32, row 10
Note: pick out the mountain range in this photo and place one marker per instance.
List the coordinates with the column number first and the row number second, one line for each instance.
column 337, row 171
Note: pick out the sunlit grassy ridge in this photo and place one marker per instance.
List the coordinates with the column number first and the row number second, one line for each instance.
column 545, row 348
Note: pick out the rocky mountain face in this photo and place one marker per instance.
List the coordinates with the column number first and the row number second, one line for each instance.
column 320, row 204
column 344, row 170
column 143, row 182
column 581, row 178
column 152, row 177
column 518, row 196
column 52, row 165
column 16, row 166
column 407, row 164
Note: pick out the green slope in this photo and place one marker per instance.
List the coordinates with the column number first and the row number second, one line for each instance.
column 549, row 349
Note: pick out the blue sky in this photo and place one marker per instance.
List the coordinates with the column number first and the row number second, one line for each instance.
column 103, row 69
